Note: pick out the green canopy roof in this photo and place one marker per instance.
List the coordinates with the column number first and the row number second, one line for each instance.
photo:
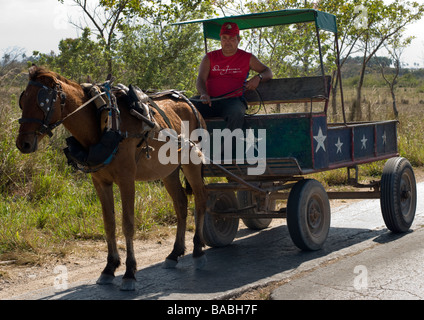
column 323, row 20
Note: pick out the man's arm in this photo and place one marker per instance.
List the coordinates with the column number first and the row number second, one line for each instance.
column 261, row 69
column 201, row 81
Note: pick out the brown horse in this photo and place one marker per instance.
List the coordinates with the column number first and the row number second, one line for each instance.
column 125, row 168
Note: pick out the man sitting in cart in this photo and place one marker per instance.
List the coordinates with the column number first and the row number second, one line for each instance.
column 222, row 79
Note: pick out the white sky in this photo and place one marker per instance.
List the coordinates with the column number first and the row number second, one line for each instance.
column 41, row 24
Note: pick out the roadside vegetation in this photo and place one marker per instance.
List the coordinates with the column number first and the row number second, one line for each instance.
column 45, row 204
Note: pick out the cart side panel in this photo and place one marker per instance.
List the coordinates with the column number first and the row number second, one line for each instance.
column 360, row 143
column 364, row 138
column 319, row 140
column 386, row 138
column 340, row 145
column 288, row 144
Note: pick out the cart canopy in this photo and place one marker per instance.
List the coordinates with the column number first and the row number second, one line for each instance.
column 322, row 20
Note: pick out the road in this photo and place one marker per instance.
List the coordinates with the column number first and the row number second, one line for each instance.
column 360, row 259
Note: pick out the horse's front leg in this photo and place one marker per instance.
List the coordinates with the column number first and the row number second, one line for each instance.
column 105, row 193
column 127, row 188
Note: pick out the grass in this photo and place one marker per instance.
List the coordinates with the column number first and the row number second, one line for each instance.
column 45, row 204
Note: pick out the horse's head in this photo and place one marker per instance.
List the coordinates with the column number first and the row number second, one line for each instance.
column 42, row 104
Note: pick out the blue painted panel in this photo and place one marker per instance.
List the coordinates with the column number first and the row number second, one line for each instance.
column 363, row 139
column 386, row 138
column 340, row 144
column 320, row 142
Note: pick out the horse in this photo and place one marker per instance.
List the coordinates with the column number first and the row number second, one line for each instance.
column 126, row 167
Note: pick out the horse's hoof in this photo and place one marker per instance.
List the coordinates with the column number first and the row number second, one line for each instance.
column 169, row 264
column 127, row 285
column 200, row 262
column 105, row 279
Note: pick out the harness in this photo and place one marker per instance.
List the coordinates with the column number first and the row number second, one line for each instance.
column 46, row 98
column 101, row 154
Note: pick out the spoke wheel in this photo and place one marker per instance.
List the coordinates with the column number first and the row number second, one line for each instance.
column 398, row 195
column 219, row 231
column 244, row 200
column 308, row 214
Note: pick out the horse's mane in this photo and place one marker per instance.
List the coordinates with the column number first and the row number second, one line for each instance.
column 36, row 71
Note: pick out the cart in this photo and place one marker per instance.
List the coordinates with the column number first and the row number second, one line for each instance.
column 299, row 144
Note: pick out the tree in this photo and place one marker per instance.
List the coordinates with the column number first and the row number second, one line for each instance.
column 11, row 64
column 395, row 50
column 384, row 24
column 104, row 19
column 77, row 59
column 138, row 42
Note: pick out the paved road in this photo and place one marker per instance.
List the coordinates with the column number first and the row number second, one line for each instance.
column 258, row 258
column 391, row 271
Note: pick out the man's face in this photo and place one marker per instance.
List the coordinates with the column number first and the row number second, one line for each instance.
column 229, row 44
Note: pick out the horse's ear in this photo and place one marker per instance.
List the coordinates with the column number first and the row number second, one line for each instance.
column 32, row 70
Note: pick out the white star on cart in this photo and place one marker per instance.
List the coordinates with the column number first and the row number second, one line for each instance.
column 251, row 140
column 339, row 145
column 384, row 138
column 320, row 138
column 364, row 142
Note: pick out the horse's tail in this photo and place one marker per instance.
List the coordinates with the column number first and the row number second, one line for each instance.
column 188, row 189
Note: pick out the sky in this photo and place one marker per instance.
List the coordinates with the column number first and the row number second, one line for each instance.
column 40, row 25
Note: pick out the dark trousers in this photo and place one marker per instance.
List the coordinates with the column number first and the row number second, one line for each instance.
column 231, row 109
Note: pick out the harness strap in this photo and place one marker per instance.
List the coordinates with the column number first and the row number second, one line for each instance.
column 163, row 115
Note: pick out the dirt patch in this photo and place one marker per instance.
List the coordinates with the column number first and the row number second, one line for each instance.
column 84, row 260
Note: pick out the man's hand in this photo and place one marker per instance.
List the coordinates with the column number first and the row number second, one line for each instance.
column 253, row 83
column 206, row 99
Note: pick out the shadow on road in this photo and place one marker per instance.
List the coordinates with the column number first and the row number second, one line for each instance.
column 252, row 257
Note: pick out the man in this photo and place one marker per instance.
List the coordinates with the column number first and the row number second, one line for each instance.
column 222, row 79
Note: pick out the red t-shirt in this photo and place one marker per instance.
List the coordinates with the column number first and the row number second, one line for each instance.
column 227, row 73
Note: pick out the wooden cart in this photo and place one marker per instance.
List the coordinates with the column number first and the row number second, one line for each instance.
column 298, row 144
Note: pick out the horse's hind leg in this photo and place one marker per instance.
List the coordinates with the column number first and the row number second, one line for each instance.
column 105, row 194
column 194, row 176
column 173, row 186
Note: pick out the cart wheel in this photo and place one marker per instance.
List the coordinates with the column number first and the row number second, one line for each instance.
column 398, row 199
column 308, row 214
column 245, row 199
column 219, row 231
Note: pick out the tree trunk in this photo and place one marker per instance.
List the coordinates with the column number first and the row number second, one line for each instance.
column 395, row 111
column 356, row 107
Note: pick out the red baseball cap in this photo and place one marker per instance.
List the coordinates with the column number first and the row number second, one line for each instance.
column 230, row 28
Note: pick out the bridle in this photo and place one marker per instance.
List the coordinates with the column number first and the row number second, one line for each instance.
column 46, row 99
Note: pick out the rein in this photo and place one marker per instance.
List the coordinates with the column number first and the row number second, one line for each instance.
column 227, row 95
column 82, row 106
column 231, row 94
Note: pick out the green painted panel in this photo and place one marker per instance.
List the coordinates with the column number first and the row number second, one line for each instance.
column 287, row 136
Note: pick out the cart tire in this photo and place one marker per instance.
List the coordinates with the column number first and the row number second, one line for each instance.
column 308, row 215
column 398, row 199
column 219, row 231
column 245, row 199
